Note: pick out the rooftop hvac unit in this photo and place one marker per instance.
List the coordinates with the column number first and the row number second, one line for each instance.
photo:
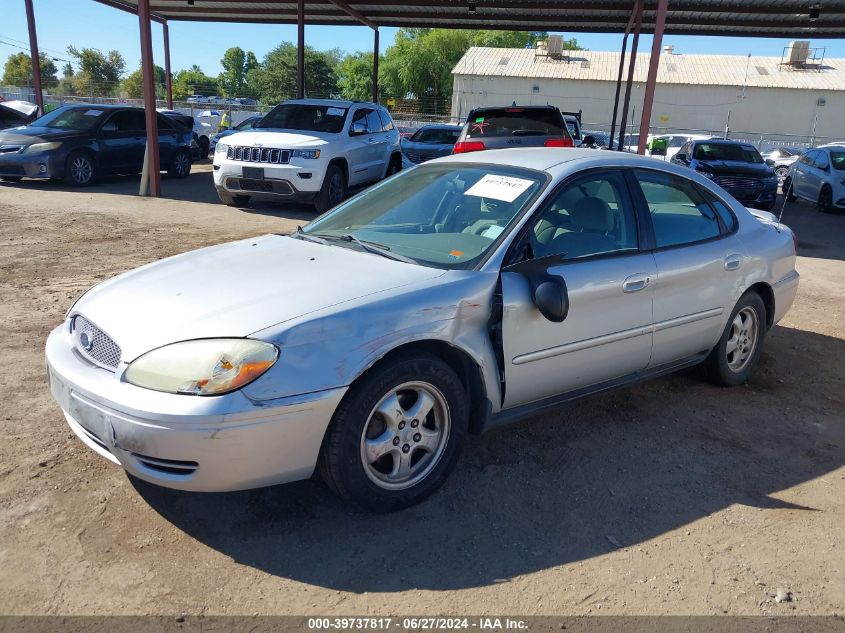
column 797, row 52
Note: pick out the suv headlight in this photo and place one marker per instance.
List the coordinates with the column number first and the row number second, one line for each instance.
column 205, row 367
column 221, row 148
column 41, row 147
column 305, row 153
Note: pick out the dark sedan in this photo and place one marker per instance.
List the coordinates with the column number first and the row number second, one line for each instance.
column 431, row 141
column 736, row 167
column 81, row 142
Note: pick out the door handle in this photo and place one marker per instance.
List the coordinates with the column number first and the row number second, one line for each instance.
column 733, row 262
column 636, row 282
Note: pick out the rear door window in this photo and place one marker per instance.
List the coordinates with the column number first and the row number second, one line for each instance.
column 503, row 122
column 386, row 122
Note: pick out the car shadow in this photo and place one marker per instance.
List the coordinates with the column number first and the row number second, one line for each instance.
column 606, row 472
column 820, row 235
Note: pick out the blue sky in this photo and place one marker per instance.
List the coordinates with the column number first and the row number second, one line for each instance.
column 85, row 23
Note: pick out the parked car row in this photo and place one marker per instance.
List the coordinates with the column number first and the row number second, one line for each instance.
column 818, row 176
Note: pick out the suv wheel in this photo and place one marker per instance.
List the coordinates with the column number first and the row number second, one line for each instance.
column 731, row 361
column 333, row 191
column 395, row 165
column 397, row 434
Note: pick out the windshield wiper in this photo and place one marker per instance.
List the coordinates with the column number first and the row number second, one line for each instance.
column 378, row 249
column 309, row 238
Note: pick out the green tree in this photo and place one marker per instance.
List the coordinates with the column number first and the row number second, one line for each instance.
column 99, row 74
column 236, row 66
column 18, row 71
column 192, row 81
column 133, row 85
column 355, row 76
column 67, row 71
column 274, row 80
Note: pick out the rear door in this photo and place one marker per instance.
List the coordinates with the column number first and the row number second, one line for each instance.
column 380, row 140
column 361, row 153
column 816, row 174
column 699, row 264
column 800, row 173
column 122, row 139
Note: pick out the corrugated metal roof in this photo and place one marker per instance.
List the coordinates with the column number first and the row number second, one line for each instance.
column 762, row 18
column 715, row 70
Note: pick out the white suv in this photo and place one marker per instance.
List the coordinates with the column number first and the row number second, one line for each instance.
column 309, row 150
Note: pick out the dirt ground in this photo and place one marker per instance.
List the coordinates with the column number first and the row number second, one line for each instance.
column 669, row 497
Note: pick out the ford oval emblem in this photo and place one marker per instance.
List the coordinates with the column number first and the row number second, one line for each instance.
column 86, row 341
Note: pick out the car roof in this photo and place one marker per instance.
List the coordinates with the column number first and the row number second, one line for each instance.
column 722, row 141
column 337, row 103
column 103, row 106
column 545, row 158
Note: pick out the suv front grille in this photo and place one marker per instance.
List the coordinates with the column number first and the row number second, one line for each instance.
column 94, row 344
column 258, row 154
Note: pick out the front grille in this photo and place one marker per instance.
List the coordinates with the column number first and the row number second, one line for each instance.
column 420, row 157
column 737, row 182
column 169, row 466
column 94, row 344
column 258, row 154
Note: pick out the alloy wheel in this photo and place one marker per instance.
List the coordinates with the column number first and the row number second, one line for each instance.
column 742, row 340
column 405, row 435
column 182, row 163
column 81, row 170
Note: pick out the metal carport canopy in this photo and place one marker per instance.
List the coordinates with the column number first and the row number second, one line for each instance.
column 757, row 18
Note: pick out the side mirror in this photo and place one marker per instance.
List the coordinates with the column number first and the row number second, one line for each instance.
column 109, row 127
column 551, row 298
column 589, row 140
column 770, row 162
column 358, row 128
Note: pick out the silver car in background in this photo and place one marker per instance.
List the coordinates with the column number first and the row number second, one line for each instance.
column 454, row 297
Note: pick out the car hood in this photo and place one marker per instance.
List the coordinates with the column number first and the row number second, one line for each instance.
column 733, row 168
column 33, row 134
column 281, row 139
column 236, row 289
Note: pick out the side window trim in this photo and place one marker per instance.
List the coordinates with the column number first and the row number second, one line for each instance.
column 644, row 210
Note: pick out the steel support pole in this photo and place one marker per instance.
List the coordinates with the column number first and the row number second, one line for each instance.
column 168, row 83
column 653, row 64
column 300, row 49
column 375, row 65
column 148, row 72
column 638, row 22
column 35, row 57
column 618, row 88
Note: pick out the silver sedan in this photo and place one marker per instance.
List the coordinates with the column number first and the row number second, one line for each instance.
column 457, row 296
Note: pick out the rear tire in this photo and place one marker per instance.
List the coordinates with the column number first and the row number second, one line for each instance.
column 204, row 145
column 781, row 173
column 395, row 165
column 231, row 200
column 397, row 434
column 181, row 165
column 731, row 361
column 825, row 201
column 80, row 169
column 787, row 189
column 333, row 191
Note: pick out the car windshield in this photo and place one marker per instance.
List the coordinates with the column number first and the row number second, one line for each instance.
column 248, row 124
column 837, row 159
column 436, row 136
column 727, row 151
column 441, row 215
column 67, row 118
column 515, row 122
column 301, row 116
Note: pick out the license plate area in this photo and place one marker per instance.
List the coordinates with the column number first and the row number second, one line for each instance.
column 253, row 173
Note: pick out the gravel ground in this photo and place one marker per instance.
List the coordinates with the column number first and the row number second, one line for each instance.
column 669, row 497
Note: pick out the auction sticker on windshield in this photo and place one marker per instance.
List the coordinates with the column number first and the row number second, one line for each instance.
column 93, row 112
column 505, row 188
column 335, row 111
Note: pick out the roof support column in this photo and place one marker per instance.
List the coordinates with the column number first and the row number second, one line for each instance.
column 375, row 65
column 148, row 72
column 653, row 64
column 619, row 76
column 34, row 56
column 300, row 49
column 638, row 22
column 168, row 83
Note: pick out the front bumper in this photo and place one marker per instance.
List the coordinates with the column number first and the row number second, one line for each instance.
column 292, row 181
column 209, row 444
column 753, row 197
column 42, row 165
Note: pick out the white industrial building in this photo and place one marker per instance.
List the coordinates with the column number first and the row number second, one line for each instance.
column 756, row 95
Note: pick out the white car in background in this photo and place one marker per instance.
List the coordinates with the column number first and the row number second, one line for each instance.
column 676, row 142
column 308, row 150
column 818, row 176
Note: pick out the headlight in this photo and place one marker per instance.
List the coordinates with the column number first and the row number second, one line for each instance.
column 221, row 148
column 206, row 367
column 305, row 153
column 41, row 147
column 705, row 173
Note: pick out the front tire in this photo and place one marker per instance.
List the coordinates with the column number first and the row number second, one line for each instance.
column 731, row 361
column 80, row 169
column 396, row 435
column 231, row 200
column 825, row 201
column 333, row 191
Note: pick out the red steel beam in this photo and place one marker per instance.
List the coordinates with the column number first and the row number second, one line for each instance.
column 363, row 19
column 651, row 81
column 115, row 4
column 375, row 65
column 168, row 82
column 638, row 21
column 148, row 72
column 300, row 49
column 35, row 57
